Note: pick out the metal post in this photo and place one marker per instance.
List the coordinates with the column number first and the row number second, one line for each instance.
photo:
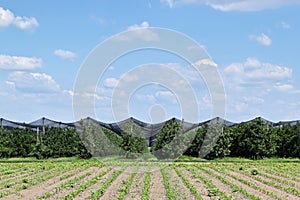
column 1, row 122
column 37, row 134
column 43, row 121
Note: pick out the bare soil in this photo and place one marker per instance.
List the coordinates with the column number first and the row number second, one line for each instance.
column 65, row 191
column 157, row 189
column 180, row 189
column 296, row 183
column 244, row 186
column 113, row 190
column 87, row 193
column 136, row 189
column 281, row 193
column 234, row 195
column 40, row 189
column 197, row 183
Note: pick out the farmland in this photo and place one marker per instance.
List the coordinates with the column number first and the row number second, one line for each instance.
column 92, row 179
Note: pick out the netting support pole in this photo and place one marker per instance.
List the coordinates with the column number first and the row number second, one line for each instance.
column 44, row 130
column 1, row 122
column 37, row 134
column 43, row 121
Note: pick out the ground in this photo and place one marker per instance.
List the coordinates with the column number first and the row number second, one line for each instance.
column 93, row 179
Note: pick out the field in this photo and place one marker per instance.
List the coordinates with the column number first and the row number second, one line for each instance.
column 79, row 179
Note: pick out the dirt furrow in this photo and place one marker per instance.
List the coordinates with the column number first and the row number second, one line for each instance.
column 180, row 189
column 234, row 195
column 197, row 183
column 281, row 193
column 244, row 186
column 94, row 171
column 87, row 193
column 113, row 190
column 157, row 189
column 295, row 183
column 40, row 189
column 136, row 189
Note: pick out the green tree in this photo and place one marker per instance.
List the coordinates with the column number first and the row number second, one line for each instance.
column 196, row 145
column 221, row 148
column 172, row 141
column 99, row 141
column 288, row 141
column 133, row 141
column 253, row 140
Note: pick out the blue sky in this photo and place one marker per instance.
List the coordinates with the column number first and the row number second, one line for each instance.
column 255, row 45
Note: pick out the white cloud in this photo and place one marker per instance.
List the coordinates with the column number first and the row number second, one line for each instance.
column 8, row 18
column 26, row 23
column 99, row 20
column 166, row 95
column 19, row 62
column 240, row 107
column 129, row 78
column 253, row 69
column 248, row 5
column 111, row 68
column 261, row 39
column 257, row 79
column 65, row 54
column 285, row 25
column 207, row 62
column 254, row 100
column 111, row 82
column 170, row 3
column 235, row 5
column 146, row 98
column 141, row 32
column 33, row 82
column 284, row 87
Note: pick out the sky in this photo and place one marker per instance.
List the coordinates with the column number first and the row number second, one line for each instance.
column 254, row 45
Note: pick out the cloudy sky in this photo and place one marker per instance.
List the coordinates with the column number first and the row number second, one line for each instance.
column 254, row 44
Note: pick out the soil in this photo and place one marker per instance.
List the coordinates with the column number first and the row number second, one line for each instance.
column 157, row 189
column 244, row 186
column 296, row 183
column 282, row 194
column 113, row 190
column 180, row 189
column 40, row 189
column 87, row 193
column 197, row 183
column 136, row 189
column 65, row 191
column 234, row 195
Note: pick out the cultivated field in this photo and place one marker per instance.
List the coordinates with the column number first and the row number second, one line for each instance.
column 62, row 179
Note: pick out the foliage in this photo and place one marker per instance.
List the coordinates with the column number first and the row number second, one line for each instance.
column 254, row 172
column 133, row 141
column 288, row 141
column 16, row 142
column 195, row 146
column 211, row 141
column 171, row 141
column 255, row 140
column 99, row 141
